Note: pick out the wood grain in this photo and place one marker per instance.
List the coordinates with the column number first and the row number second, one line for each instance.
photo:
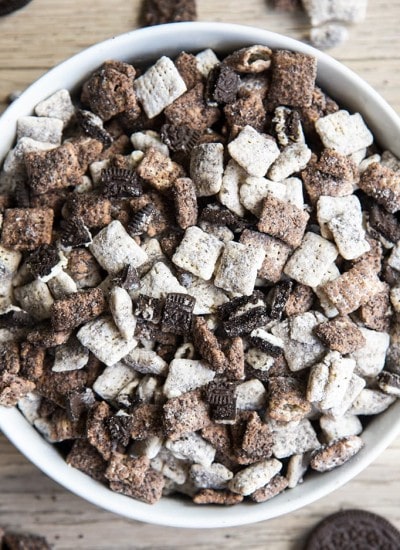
column 33, row 40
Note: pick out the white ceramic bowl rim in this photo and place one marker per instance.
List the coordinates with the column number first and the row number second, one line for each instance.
column 141, row 46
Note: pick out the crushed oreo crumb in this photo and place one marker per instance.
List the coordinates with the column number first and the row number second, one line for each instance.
column 180, row 139
column 127, row 278
column 42, row 260
column 280, row 295
column 141, row 220
column 222, row 84
column 92, row 125
column 75, row 233
column 177, row 314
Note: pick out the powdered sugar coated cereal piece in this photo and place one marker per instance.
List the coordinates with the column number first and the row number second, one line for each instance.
column 343, row 132
column 253, row 151
column 394, row 258
column 349, row 235
column 293, row 438
column 198, row 253
column 207, row 167
column 35, row 298
column 58, row 105
column 14, row 161
column 208, row 296
column 70, row 356
column 389, row 160
column 259, row 360
column 229, row 194
column 294, row 191
column 46, row 129
column 192, row 447
column 276, row 253
column 329, row 208
column 142, row 141
column 297, row 467
column 238, row 266
column 215, row 476
column 370, row 359
column 205, row 61
column 291, row 160
column 309, row 262
column 104, row 340
column 349, row 11
column 113, row 248
column 254, row 190
column 146, row 362
column 328, row 36
column 371, row 402
column 121, row 310
column 159, row 86
column 356, row 385
column 255, row 476
column 340, row 373
column 185, row 375
column 336, row 428
column 251, row 395
column 159, row 281
column 29, row 405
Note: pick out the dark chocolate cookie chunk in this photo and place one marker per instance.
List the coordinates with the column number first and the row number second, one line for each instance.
column 353, row 529
column 8, row 6
column 157, row 12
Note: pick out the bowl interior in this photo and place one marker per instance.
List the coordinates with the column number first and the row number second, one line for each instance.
column 139, row 47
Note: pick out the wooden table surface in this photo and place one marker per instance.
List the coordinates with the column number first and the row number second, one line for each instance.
column 47, row 32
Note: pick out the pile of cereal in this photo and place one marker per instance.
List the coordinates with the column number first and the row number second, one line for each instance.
column 200, row 276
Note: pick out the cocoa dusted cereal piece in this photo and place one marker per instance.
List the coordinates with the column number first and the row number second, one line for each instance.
column 59, row 427
column 9, row 358
column 54, row 169
column 246, row 111
column 109, row 91
column 234, row 352
column 293, row 77
column 145, row 421
column 382, row 184
column 283, row 221
column 287, row 399
column 93, row 210
column 87, row 459
column 77, row 309
column 336, row 453
column 253, row 59
column 83, row 268
column 184, row 414
column 191, row 110
column 333, row 174
column 157, row 12
column 32, row 361
column 87, row 151
column 98, row 433
column 186, row 63
column 277, row 484
column 376, row 314
column 126, row 469
column 13, row 388
column 257, row 439
column 184, row 192
column 340, row 334
column 353, row 289
column 213, row 496
column 301, row 299
column 26, row 228
column 207, row 345
column 159, row 170
column 149, row 491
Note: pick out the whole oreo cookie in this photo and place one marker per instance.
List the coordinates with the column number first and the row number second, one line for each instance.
column 8, row 6
column 353, row 530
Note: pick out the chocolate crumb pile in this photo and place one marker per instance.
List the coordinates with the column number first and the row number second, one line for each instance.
column 19, row 541
column 200, row 276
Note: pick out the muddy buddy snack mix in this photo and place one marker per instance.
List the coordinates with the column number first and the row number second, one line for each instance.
column 200, row 276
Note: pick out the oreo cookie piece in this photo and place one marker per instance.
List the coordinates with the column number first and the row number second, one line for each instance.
column 220, row 395
column 280, row 295
column 42, row 260
column 75, row 233
column 350, row 529
column 8, row 6
column 120, row 182
column 177, row 315
column 127, row 278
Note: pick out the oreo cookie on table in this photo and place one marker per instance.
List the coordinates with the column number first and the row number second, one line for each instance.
column 354, row 530
column 8, row 6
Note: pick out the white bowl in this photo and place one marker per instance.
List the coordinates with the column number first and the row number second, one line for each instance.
column 146, row 45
